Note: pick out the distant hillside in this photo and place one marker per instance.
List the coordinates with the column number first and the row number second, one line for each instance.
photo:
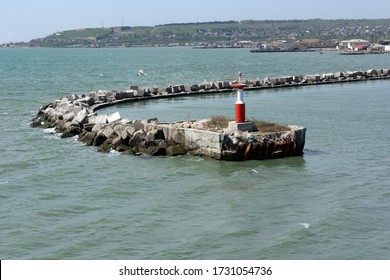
column 226, row 32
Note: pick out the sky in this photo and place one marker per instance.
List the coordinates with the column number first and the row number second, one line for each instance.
column 23, row 20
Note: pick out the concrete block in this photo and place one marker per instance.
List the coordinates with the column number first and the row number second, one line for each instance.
column 101, row 119
column 114, row 117
column 81, row 117
column 244, row 126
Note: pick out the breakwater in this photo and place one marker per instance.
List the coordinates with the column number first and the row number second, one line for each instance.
column 104, row 98
column 76, row 114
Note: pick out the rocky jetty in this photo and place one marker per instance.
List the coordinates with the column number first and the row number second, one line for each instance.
column 151, row 137
column 76, row 115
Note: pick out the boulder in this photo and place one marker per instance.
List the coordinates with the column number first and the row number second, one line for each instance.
column 283, row 80
column 81, row 118
column 88, row 101
column 257, row 83
column 88, row 126
column 153, row 148
column 195, row 88
column 121, row 147
column 87, row 137
column 129, row 93
column 266, row 81
column 147, row 92
column 372, row 72
column 101, row 98
column 297, row 79
column 68, row 117
column 154, row 90
column 63, row 108
column 326, row 77
column 109, row 132
column 226, row 85
column 126, row 121
column 114, row 117
column 139, row 93
column 275, row 81
column 99, row 139
column 169, row 90
column 118, row 128
column 358, row 73
column 182, row 88
column 117, row 141
column 136, row 139
column 136, row 126
column 101, row 119
column 176, row 89
column 187, row 88
column 125, row 135
column 174, row 149
column 309, row 78
column 71, row 130
column 155, row 134
column 207, row 86
column 97, row 128
column 118, row 95
column 219, row 84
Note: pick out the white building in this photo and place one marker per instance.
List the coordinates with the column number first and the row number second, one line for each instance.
column 386, row 44
column 377, row 47
column 351, row 44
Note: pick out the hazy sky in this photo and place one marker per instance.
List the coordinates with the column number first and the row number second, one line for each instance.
column 23, row 20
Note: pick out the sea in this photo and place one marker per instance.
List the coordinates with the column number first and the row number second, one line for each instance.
column 60, row 199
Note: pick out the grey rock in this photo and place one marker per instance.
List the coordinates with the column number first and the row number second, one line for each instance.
column 81, row 117
column 136, row 126
column 101, row 119
column 136, row 139
column 114, row 117
column 109, row 132
column 68, row 117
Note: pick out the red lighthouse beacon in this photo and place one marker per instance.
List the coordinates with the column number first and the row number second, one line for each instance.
column 240, row 105
column 240, row 123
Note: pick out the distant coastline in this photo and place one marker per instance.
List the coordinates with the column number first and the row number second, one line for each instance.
column 313, row 33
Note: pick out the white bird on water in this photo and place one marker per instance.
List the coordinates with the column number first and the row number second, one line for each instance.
column 253, row 171
column 305, row 225
column 141, row 72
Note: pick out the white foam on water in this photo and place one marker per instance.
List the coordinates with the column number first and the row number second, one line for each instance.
column 49, row 130
column 305, row 225
column 114, row 153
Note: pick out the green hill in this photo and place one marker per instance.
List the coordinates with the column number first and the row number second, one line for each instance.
column 226, row 32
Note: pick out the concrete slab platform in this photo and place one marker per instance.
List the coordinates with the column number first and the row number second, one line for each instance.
column 242, row 126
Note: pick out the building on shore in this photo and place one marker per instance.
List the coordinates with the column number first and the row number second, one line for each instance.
column 386, row 44
column 351, row 45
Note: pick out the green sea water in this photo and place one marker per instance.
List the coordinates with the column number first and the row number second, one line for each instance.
column 60, row 199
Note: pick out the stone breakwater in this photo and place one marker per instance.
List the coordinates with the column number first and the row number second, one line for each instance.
column 76, row 115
